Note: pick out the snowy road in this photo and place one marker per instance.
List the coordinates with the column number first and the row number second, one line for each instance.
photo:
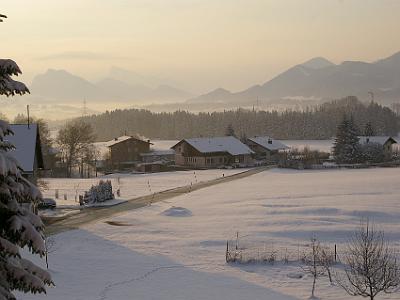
column 87, row 216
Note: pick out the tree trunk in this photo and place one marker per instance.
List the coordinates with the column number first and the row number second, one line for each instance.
column 313, row 287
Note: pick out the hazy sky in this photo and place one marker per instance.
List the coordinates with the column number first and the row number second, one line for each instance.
column 200, row 44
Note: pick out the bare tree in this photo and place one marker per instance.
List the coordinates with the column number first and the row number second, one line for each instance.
column 50, row 246
column 371, row 265
column 313, row 262
column 327, row 260
column 74, row 140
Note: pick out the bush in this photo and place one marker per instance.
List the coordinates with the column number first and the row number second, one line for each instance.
column 99, row 193
column 302, row 159
column 372, row 152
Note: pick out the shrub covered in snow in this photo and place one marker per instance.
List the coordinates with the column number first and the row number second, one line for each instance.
column 302, row 158
column 99, row 193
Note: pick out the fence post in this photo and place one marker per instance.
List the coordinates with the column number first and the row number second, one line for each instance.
column 227, row 251
column 237, row 240
column 335, row 254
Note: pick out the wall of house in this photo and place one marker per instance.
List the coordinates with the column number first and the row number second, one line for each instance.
column 186, row 155
column 263, row 153
column 128, row 151
column 388, row 150
column 154, row 158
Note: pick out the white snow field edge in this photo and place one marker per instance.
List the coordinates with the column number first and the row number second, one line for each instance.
column 176, row 249
column 130, row 185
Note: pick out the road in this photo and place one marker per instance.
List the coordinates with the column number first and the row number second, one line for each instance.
column 90, row 215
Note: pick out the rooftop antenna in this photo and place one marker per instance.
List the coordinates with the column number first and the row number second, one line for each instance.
column 27, row 111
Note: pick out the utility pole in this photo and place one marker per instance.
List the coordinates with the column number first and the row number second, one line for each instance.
column 27, row 111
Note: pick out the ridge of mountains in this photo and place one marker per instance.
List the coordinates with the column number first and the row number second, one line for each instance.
column 62, row 85
column 320, row 79
column 317, row 79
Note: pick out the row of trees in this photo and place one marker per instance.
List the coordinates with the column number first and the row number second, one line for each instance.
column 314, row 123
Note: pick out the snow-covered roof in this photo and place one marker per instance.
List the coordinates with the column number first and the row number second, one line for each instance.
column 219, row 144
column 375, row 139
column 122, row 139
column 269, row 143
column 24, row 140
column 117, row 140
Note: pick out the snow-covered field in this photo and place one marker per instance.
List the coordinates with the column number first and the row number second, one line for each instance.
column 176, row 249
column 130, row 185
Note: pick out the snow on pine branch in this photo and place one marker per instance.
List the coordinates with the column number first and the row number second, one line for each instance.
column 5, row 129
column 8, row 164
column 8, row 248
column 10, row 87
column 28, row 234
column 9, row 67
column 23, row 277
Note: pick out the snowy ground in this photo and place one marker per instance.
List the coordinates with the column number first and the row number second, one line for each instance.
column 176, row 249
column 130, row 185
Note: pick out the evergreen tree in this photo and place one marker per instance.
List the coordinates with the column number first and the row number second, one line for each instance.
column 369, row 130
column 19, row 226
column 346, row 148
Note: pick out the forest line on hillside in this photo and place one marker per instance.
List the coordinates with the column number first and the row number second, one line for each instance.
column 312, row 123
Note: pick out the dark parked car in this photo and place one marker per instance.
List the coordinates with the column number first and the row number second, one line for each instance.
column 47, row 203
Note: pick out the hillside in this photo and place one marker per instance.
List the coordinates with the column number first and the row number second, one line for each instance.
column 320, row 79
column 318, row 123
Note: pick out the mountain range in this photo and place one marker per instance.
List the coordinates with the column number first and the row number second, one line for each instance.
column 303, row 85
column 118, row 85
column 321, row 79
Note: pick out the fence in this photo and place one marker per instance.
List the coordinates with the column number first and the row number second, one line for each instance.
column 246, row 250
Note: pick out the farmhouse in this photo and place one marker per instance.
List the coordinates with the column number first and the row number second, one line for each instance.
column 212, row 152
column 28, row 150
column 266, row 147
column 385, row 141
column 126, row 150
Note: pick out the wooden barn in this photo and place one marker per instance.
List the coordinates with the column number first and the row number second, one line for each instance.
column 125, row 150
column 212, row 152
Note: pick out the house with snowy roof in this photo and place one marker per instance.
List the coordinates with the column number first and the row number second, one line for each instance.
column 266, row 147
column 212, row 152
column 386, row 142
column 28, row 150
column 125, row 150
